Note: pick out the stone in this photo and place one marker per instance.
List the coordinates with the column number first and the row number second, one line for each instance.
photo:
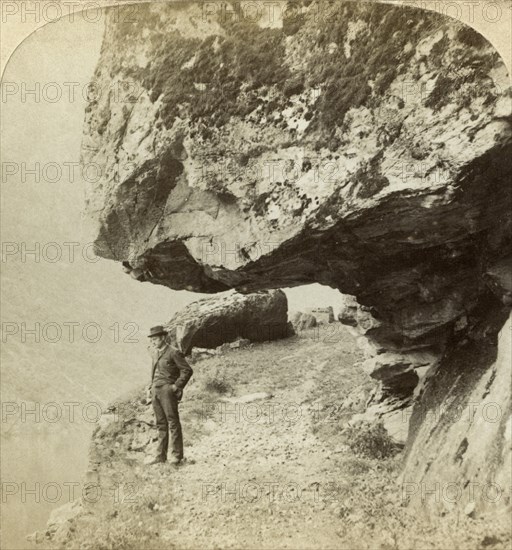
column 369, row 347
column 249, row 398
column 395, row 419
column 489, row 540
column 388, row 366
column 399, row 375
column 64, row 513
column 224, row 319
column 64, row 532
column 201, row 353
column 140, row 441
column 223, row 348
column 294, row 317
column 349, row 312
column 304, row 321
column 241, row 343
column 323, row 315
column 470, row 510
column 107, row 419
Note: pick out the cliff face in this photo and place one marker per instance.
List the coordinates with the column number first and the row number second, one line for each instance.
column 362, row 146
column 459, row 447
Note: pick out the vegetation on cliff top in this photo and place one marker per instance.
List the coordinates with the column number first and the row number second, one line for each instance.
column 250, row 69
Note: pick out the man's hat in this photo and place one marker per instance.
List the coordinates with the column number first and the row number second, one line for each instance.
column 156, row 331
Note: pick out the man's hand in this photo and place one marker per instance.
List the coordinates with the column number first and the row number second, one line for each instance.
column 146, row 400
column 177, row 391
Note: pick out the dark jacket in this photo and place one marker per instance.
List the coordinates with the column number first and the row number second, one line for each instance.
column 170, row 367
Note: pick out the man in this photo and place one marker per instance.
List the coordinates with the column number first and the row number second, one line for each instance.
column 169, row 375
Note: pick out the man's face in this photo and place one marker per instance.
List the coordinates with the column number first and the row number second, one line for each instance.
column 158, row 341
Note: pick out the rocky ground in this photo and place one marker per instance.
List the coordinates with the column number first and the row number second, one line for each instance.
column 270, row 463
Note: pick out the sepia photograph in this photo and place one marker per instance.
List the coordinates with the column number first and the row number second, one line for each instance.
column 256, row 275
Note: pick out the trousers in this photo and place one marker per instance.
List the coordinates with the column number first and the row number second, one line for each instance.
column 165, row 404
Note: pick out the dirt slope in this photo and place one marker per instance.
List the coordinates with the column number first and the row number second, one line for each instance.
column 279, row 472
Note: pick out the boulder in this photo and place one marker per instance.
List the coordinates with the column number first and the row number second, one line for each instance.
column 230, row 317
column 348, row 314
column 394, row 417
column 201, row 353
column 304, row 321
column 63, row 514
column 323, row 315
column 241, row 343
column 294, row 317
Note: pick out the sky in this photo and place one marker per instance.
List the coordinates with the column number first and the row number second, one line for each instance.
column 42, row 197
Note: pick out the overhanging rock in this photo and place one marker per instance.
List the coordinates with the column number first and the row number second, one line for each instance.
column 251, row 157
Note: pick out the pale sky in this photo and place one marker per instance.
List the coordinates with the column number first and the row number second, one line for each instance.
column 59, row 59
